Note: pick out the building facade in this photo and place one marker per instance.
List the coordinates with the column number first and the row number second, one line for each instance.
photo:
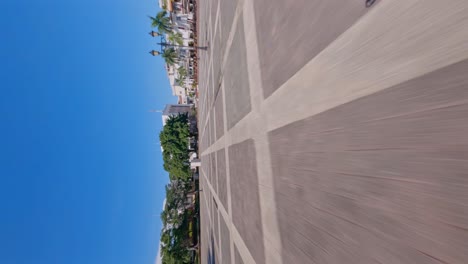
column 173, row 110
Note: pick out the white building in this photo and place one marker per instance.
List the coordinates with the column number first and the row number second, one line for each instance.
column 173, row 110
column 177, row 90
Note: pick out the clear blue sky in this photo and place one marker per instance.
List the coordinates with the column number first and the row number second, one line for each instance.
column 81, row 178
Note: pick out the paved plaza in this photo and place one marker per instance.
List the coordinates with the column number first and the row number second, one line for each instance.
column 333, row 133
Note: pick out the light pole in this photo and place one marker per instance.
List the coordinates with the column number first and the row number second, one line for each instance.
column 163, row 43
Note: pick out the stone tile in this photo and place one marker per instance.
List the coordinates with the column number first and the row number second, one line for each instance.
column 214, row 176
column 227, row 12
column 291, row 33
column 217, row 61
column 215, row 225
column 245, row 197
column 209, row 97
column 208, row 132
column 225, row 242
column 205, row 164
column 204, row 8
column 205, row 137
column 212, row 127
column 222, row 177
column 208, row 169
column 213, row 11
column 210, row 202
column 202, row 140
column 204, row 238
column 204, row 225
column 213, row 86
column 381, row 178
column 237, row 81
column 213, row 256
column 237, row 256
column 219, row 110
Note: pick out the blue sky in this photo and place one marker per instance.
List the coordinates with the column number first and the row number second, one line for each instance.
column 81, row 178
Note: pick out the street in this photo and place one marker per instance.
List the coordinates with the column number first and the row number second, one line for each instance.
column 333, row 133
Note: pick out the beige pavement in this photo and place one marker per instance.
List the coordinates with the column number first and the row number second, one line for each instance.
column 332, row 133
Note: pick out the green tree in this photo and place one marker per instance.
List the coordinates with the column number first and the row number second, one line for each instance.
column 174, row 140
column 182, row 72
column 175, row 239
column 182, row 76
column 180, row 82
column 175, row 203
column 175, row 38
column 175, row 244
column 162, row 22
column 170, row 56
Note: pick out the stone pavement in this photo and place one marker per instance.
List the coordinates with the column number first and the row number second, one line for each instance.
column 334, row 133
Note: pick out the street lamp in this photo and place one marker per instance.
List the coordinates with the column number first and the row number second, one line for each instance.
column 164, row 44
column 154, row 33
column 155, row 52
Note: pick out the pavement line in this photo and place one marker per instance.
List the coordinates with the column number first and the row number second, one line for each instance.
column 271, row 234
column 227, row 172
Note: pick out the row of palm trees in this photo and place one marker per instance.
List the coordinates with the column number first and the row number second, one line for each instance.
column 163, row 24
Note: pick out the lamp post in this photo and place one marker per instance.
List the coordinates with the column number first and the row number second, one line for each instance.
column 155, row 53
column 164, row 44
column 154, row 33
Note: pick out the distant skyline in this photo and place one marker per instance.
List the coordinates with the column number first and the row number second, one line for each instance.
column 82, row 177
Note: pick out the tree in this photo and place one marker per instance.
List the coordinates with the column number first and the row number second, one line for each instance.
column 175, row 203
column 173, row 250
column 170, row 56
column 180, row 82
column 175, row 38
column 175, row 245
column 182, row 72
column 174, row 140
column 176, row 241
column 175, row 238
column 182, row 76
column 162, row 22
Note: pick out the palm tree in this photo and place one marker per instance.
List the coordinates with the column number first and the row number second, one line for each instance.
column 175, row 38
column 180, row 82
column 162, row 22
column 170, row 56
column 182, row 72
